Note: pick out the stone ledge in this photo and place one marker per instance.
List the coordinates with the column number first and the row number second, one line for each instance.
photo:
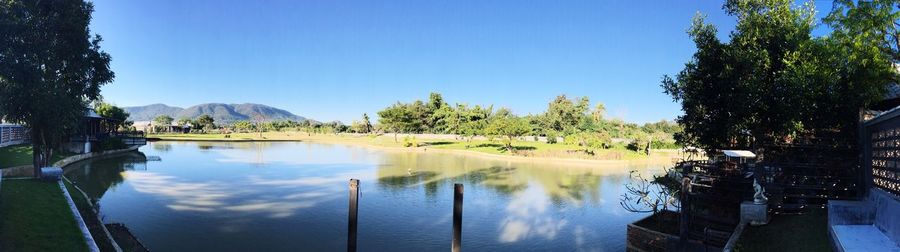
column 92, row 245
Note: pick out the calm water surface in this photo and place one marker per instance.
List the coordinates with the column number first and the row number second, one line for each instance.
column 293, row 197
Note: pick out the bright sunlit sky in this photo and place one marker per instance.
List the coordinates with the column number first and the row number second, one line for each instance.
column 335, row 60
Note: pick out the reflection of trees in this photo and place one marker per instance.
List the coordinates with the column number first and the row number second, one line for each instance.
column 161, row 146
column 437, row 170
column 97, row 176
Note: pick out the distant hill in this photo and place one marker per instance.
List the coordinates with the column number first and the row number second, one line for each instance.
column 222, row 113
column 147, row 113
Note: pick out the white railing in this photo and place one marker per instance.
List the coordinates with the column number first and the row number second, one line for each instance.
column 12, row 134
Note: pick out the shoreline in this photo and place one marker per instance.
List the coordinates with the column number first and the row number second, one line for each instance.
column 665, row 157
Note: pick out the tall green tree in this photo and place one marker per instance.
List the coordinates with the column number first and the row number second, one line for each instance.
column 771, row 81
column 51, row 67
column 508, row 128
column 436, row 113
column 564, row 114
column 395, row 118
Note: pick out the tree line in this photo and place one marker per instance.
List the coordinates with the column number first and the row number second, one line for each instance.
column 572, row 120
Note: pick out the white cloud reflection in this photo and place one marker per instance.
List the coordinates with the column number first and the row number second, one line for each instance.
column 527, row 217
column 252, row 198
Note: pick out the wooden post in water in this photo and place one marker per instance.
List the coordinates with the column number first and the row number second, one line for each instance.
column 685, row 225
column 457, row 217
column 351, row 226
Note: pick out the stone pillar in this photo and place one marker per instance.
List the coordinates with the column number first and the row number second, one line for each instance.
column 755, row 214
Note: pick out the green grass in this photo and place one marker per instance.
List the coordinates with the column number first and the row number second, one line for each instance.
column 808, row 232
column 15, row 155
column 34, row 216
column 18, row 155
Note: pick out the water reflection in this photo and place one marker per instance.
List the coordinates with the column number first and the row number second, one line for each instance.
column 293, row 195
column 108, row 174
column 563, row 185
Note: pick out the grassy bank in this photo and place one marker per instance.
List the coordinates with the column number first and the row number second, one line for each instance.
column 19, row 155
column 808, row 232
column 522, row 148
column 34, row 216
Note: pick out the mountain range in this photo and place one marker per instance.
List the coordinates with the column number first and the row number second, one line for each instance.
column 222, row 113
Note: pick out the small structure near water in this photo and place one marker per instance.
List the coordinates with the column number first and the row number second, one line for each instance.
column 95, row 129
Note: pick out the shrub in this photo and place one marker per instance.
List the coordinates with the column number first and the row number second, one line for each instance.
column 410, row 142
column 639, row 145
column 664, row 145
column 551, row 137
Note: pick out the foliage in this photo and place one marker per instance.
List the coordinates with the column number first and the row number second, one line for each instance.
column 867, row 26
column 772, row 80
column 589, row 140
column 184, row 122
column 564, row 114
column 113, row 112
column 640, row 142
column 551, row 137
column 163, row 120
column 664, row 126
column 398, row 118
column 50, row 69
column 410, row 141
column 571, row 119
column 206, row 122
column 243, row 126
column 509, row 128
column 366, row 123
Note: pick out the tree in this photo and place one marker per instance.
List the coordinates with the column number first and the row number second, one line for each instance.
column 509, row 128
column 117, row 114
column 402, row 118
column 163, row 121
column 563, row 114
column 772, row 80
column 598, row 112
column 871, row 24
column 50, row 69
column 591, row 141
column 206, row 122
column 259, row 120
column 243, row 126
column 435, row 121
column 184, row 122
column 367, row 123
column 445, row 120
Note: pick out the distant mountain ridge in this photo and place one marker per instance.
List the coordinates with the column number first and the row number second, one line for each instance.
column 221, row 112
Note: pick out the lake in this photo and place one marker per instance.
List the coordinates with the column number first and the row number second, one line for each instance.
column 293, row 196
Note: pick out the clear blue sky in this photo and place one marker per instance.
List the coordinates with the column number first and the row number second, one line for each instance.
column 335, row 59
